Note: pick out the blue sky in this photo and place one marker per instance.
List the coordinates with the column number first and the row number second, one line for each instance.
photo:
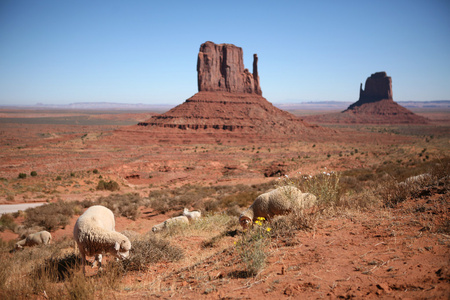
column 61, row 52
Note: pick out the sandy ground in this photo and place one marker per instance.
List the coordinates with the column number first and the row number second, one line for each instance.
column 400, row 253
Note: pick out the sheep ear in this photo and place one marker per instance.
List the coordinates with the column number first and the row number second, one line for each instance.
column 117, row 246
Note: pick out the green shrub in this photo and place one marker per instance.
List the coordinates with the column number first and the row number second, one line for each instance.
column 22, row 175
column 33, row 173
column 110, row 186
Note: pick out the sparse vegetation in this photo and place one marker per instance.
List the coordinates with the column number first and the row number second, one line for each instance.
column 150, row 249
column 123, row 205
column 50, row 216
column 108, row 185
column 367, row 211
column 253, row 247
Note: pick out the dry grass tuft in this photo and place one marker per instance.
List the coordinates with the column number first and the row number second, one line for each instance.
column 150, row 249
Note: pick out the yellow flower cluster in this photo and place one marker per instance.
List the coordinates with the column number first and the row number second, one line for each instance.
column 259, row 221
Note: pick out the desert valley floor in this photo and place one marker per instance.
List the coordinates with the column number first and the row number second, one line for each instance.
column 364, row 245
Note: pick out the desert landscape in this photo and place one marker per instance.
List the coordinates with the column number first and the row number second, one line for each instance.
column 380, row 172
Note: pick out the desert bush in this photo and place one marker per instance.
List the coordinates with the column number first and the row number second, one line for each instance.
column 10, row 196
column 297, row 220
column 148, row 250
column 209, row 199
column 22, row 175
column 108, row 185
column 325, row 186
column 241, row 199
column 50, row 216
column 252, row 247
column 123, row 205
column 33, row 173
column 7, row 222
column 394, row 191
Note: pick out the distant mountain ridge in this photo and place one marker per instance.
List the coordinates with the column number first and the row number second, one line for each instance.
column 312, row 105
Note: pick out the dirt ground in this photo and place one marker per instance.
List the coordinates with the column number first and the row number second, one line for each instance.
column 387, row 253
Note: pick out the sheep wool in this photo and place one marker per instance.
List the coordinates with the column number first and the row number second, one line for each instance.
column 33, row 239
column 280, row 201
column 170, row 222
column 94, row 233
column 192, row 215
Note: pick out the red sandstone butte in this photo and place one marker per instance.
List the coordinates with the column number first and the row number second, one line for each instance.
column 375, row 106
column 229, row 105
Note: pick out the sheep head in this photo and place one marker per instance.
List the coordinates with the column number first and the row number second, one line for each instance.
column 245, row 221
column 122, row 249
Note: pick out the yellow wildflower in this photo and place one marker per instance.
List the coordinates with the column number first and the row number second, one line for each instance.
column 268, row 229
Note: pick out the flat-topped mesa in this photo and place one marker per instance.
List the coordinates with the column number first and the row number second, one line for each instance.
column 220, row 68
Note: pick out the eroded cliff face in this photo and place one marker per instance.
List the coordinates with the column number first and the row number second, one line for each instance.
column 378, row 87
column 220, row 68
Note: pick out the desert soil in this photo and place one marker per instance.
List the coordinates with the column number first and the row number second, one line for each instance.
column 388, row 253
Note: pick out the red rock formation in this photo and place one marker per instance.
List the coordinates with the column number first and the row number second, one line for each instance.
column 220, row 68
column 228, row 105
column 378, row 87
column 236, row 114
column 375, row 106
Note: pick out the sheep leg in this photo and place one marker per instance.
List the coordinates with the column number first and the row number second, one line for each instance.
column 98, row 260
column 83, row 260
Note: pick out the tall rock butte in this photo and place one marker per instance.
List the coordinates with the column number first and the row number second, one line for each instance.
column 375, row 106
column 229, row 105
column 220, row 68
column 378, row 87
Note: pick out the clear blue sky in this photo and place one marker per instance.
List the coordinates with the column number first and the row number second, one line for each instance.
column 60, row 52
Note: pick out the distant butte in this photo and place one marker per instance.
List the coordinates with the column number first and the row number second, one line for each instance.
column 375, row 106
column 228, row 105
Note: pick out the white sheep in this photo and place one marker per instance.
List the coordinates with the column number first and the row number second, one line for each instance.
column 33, row 239
column 170, row 222
column 94, row 233
column 419, row 178
column 192, row 215
column 280, row 201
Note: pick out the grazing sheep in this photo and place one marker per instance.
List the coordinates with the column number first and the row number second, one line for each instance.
column 307, row 200
column 170, row 222
column 33, row 239
column 94, row 233
column 280, row 201
column 419, row 178
column 192, row 215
